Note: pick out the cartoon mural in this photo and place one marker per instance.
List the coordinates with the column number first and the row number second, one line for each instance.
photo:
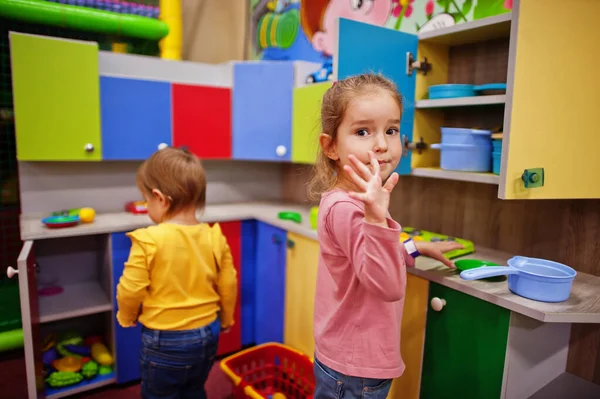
column 305, row 29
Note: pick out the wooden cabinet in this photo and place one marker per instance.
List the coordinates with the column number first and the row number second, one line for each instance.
column 412, row 338
column 232, row 341
column 56, row 98
column 300, row 285
column 262, row 110
column 202, row 120
column 136, row 117
column 128, row 341
column 541, row 157
column 269, row 283
column 551, row 115
column 465, row 347
column 306, row 121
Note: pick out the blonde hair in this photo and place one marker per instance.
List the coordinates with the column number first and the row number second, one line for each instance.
column 335, row 102
column 176, row 173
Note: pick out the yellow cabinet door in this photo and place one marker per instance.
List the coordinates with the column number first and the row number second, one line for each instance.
column 306, row 121
column 412, row 339
column 553, row 98
column 300, row 285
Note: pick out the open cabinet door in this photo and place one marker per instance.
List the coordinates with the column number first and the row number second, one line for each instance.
column 30, row 317
column 551, row 135
column 366, row 48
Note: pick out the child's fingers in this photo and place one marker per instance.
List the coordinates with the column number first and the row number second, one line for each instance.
column 355, row 178
column 374, row 163
column 361, row 167
column 391, row 182
column 358, row 196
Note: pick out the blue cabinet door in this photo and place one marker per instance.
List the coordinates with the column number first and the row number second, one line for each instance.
column 270, row 283
column 248, row 290
column 262, row 110
column 366, row 48
column 128, row 341
column 136, row 117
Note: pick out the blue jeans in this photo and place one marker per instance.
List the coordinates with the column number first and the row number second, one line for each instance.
column 330, row 384
column 175, row 364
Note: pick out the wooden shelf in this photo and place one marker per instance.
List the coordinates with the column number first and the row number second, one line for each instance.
column 568, row 385
column 437, row 173
column 461, row 102
column 470, row 32
column 76, row 300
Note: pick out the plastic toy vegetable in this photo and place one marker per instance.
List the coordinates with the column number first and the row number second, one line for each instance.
column 105, row 370
column 101, row 355
column 60, row 379
column 90, row 369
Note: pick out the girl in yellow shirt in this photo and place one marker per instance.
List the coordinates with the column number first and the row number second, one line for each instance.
column 179, row 281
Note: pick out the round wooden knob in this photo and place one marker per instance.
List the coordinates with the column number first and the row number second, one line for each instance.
column 10, row 271
column 437, row 304
column 89, row 147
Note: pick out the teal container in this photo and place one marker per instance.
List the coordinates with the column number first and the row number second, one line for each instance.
column 497, row 145
column 496, row 159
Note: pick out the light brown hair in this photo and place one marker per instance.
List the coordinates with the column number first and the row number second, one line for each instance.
column 335, row 102
column 178, row 174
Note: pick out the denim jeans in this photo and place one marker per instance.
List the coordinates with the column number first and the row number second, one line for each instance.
column 330, row 384
column 175, row 364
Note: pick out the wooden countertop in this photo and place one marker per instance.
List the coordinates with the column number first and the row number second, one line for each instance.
column 583, row 305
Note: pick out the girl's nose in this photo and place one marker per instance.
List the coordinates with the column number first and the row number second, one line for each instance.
column 381, row 144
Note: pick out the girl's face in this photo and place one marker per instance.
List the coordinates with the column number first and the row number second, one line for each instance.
column 375, row 12
column 371, row 123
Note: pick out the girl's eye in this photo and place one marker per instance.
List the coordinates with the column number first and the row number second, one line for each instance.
column 362, row 132
column 392, row 131
column 363, row 5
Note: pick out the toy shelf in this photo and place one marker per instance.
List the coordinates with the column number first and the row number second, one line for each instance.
column 462, row 102
column 83, row 386
column 470, row 32
column 486, row 178
column 76, row 300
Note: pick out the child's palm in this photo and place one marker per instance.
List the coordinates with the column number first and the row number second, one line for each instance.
column 376, row 195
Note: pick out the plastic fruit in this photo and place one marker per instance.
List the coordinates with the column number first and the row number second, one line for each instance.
column 90, row 369
column 63, row 378
column 69, row 363
column 87, row 215
column 101, row 355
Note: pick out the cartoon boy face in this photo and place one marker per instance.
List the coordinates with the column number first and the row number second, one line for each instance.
column 375, row 12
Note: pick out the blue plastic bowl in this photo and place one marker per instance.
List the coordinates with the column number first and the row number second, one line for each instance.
column 465, row 157
column 451, row 91
column 455, row 135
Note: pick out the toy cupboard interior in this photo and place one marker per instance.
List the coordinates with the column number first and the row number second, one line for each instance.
column 463, row 209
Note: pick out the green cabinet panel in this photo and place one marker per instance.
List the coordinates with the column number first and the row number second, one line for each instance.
column 56, row 98
column 465, row 347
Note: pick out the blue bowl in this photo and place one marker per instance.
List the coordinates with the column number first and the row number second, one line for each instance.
column 451, row 91
column 465, row 157
column 455, row 135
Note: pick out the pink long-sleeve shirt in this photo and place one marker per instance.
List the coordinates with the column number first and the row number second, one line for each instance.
column 361, row 282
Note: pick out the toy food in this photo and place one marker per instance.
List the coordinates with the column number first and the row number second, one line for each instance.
column 80, row 350
column 69, row 340
column 49, row 356
column 90, row 369
column 60, row 379
column 101, row 355
column 67, row 363
column 92, row 339
column 87, row 215
column 103, row 370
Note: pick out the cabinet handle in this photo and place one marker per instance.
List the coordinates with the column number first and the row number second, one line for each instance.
column 437, row 304
column 281, row 150
column 162, row 146
column 291, row 244
column 11, row 272
column 89, row 147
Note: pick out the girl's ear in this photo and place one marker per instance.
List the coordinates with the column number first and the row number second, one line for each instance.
column 328, row 146
column 160, row 197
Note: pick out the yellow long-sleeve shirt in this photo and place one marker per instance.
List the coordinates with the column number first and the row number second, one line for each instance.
column 181, row 275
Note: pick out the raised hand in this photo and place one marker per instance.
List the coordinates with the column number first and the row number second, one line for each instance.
column 375, row 194
column 436, row 250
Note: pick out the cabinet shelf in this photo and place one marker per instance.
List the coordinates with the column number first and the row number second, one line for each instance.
column 461, row 102
column 470, row 32
column 84, row 386
column 486, row 178
column 76, row 300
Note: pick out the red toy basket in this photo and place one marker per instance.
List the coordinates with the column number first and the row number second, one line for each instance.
column 265, row 370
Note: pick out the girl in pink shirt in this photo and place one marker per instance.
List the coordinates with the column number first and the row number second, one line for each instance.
column 361, row 279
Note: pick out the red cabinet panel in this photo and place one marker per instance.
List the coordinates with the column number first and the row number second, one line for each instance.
column 202, row 120
column 232, row 341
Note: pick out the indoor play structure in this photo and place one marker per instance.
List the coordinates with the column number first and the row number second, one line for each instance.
column 125, row 107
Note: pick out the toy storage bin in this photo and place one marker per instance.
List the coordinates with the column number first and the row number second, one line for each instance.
column 456, row 135
column 465, row 157
column 268, row 369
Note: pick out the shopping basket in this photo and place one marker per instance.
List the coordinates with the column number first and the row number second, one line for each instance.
column 270, row 370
